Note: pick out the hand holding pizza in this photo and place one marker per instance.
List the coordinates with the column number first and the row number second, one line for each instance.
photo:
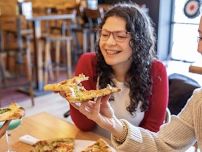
column 101, row 112
column 98, row 110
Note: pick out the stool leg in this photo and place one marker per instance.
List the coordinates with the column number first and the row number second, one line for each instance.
column 92, row 41
column 69, row 58
column 40, row 64
column 29, row 70
column 2, row 70
column 47, row 49
column 50, row 65
column 57, row 59
column 85, row 40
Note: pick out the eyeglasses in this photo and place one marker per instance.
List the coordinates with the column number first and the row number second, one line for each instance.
column 119, row 36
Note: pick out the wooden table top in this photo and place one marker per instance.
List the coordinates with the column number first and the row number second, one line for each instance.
column 44, row 126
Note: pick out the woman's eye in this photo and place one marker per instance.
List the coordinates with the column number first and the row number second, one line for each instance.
column 121, row 36
column 105, row 34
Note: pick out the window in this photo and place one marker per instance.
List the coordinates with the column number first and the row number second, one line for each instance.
column 185, row 32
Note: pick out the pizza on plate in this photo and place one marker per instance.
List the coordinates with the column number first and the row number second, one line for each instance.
column 75, row 92
column 13, row 111
column 54, row 145
column 68, row 145
column 99, row 146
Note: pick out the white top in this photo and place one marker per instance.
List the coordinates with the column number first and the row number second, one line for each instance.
column 120, row 103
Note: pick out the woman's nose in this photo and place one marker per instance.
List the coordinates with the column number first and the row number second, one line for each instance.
column 200, row 46
column 111, row 40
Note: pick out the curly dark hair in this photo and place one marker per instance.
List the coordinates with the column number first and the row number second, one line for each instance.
column 138, row 77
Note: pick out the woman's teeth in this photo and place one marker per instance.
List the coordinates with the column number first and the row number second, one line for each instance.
column 111, row 52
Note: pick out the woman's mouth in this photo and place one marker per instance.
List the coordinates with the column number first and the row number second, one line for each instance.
column 112, row 52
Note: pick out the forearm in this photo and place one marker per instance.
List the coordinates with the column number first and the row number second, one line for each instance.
column 117, row 128
column 135, row 140
column 175, row 136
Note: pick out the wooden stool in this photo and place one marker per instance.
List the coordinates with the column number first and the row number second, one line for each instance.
column 15, row 27
column 48, row 66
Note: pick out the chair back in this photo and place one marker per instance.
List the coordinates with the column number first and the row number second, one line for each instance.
column 168, row 116
column 94, row 16
column 8, row 8
column 12, row 22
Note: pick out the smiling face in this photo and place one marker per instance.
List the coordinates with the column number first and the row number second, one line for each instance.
column 116, row 53
column 200, row 36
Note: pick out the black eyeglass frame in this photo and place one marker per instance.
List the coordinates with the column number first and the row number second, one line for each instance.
column 116, row 38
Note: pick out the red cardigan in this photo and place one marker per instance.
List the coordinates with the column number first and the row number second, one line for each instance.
column 158, row 101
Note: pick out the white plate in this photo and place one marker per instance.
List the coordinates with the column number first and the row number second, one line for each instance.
column 82, row 144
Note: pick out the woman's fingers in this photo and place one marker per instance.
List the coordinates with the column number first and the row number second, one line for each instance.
column 75, row 105
column 105, row 98
column 81, row 105
column 90, row 109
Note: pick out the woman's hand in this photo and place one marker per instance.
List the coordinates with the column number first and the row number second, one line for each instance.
column 101, row 112
column 4, row 128
column 62, row 93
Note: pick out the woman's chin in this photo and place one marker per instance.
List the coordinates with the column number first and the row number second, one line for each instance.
column 111, row 63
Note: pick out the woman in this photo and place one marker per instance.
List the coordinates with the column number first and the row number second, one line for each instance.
column 178, row 135
column 125, row 58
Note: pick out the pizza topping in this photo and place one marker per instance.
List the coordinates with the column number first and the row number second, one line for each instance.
column 99, row 146
column 67, row 145
column 4, row 110
column 13, row 111
column 54, row 145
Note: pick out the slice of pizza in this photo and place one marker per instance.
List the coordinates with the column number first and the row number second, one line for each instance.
column 54, row 145
column 63, row 85
column 13, row 111
column 80, row 95
column 75, row 92
column 99, row 146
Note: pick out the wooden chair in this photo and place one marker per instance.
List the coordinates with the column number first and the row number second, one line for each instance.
column 168, row 116
column 8, row 8
column 14, row 28
column 63, row 37
column 85, row 24
column 94, row 17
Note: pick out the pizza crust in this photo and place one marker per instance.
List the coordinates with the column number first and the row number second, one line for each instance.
column 64, row 85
